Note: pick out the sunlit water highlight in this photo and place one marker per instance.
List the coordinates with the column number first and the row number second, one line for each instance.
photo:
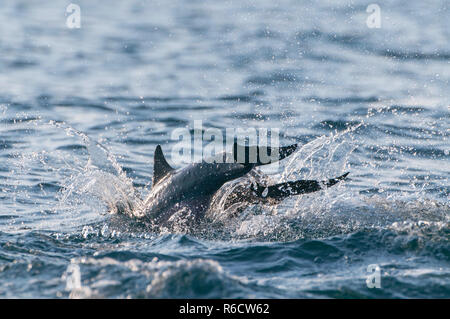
column 81, row 112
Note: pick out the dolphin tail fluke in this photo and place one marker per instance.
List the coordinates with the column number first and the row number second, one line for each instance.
column 283, row 190
column 160, row 166
column 334, row 181
column 261, row 155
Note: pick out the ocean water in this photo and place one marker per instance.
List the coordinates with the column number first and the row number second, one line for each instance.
column 82, row 110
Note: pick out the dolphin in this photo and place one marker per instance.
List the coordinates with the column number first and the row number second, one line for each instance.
column 194, row 186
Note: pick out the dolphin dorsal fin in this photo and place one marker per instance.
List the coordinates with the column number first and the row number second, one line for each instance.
column 160, row 166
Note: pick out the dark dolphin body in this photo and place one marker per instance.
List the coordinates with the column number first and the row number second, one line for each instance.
column 194, row 186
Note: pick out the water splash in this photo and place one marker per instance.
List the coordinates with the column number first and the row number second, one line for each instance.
column 92, row 183
column 338, row 210
column 79, row 182
column 102, row 177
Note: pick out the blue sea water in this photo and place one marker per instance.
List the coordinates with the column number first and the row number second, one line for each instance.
column 372, row 101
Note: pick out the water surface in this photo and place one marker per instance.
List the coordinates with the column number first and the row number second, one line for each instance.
column 374, row 102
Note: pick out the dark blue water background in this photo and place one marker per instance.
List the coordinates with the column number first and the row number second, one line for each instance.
column 371, row 101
